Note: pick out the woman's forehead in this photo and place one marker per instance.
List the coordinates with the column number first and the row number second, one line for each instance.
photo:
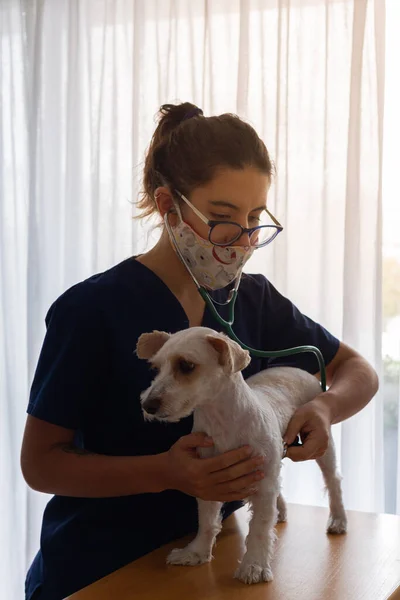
column 234, row 189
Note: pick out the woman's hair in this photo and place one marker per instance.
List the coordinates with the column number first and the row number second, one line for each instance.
column 187, row 149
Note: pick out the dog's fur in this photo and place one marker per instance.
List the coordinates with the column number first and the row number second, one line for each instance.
column 200, row 372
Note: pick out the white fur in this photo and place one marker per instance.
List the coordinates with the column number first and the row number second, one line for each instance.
column 235, row 412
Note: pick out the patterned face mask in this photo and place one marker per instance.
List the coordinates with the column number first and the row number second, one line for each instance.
column 214, row 267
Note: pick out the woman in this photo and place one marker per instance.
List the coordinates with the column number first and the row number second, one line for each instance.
column 123, row 486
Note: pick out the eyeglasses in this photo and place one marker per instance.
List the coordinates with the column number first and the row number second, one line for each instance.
column 226, row 233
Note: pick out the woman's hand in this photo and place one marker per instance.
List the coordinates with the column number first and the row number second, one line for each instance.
column 313, row 422
column 229, row 476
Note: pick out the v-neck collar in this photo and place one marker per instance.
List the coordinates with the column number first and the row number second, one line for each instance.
column 207, row 321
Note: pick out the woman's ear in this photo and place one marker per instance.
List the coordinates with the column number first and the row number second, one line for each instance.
column 164, row 200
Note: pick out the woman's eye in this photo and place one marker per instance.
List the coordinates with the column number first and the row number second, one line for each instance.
column 216, row 217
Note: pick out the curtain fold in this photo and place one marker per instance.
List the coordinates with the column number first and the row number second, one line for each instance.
column 362, row 441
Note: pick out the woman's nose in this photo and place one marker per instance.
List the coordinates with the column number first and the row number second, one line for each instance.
column 244, row 240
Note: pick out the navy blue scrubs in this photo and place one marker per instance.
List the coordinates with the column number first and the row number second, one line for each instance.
column 89, row 379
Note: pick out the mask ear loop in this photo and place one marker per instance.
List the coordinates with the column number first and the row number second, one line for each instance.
column 177, row 209
column 177, row 249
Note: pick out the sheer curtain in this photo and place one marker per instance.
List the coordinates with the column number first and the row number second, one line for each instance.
column 80, row 83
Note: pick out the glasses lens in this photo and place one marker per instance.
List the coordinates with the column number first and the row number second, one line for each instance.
column 224, row 234
column 263, row 235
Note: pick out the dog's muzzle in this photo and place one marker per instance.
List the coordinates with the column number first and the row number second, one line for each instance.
column 152, row 405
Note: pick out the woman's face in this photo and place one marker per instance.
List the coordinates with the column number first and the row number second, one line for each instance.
column 232, row 195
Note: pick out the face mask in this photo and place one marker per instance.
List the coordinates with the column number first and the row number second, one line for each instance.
column 214, row 267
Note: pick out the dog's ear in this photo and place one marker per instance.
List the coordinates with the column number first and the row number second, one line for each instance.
column 150, row 343
column 232, row 357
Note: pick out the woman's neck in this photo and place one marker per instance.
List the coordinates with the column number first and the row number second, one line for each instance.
column 165, row 263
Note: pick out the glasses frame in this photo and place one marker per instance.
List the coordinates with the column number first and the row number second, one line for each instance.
column 249, row 230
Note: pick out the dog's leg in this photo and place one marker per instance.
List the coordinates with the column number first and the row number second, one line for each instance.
column 199, row 550
column 337, row 522
column 255, row 566
column 282, row 509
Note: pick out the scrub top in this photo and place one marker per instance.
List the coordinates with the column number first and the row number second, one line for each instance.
column 89, row 379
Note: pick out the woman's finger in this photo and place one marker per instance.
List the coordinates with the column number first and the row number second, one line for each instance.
column 236, row 485
column 305, row 452
column 227, row 459
column 237, row 470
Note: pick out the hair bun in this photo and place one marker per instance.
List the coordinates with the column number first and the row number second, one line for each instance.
column 172, row 115
column 194, row 112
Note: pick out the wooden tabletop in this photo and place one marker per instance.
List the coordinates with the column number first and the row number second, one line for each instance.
column 308, row 564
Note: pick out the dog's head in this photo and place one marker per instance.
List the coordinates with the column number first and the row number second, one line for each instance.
column 190, row 365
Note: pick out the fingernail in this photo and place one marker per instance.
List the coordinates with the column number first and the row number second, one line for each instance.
column 260, row 475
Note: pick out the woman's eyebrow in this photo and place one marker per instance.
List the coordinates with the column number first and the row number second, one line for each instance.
column 233, row 206
column 224, row 203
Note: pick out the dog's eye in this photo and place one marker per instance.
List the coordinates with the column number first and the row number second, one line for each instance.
column 186, row 367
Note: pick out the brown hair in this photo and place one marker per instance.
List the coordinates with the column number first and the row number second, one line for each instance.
column 188, row 148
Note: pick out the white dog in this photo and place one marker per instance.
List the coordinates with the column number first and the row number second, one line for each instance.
column 200, row 372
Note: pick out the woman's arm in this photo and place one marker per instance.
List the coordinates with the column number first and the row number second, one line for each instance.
column 52, row 464
column 353, row 383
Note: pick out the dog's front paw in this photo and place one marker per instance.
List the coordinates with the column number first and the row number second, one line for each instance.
column 253, row 573
column 337, row 524
column 188, row 556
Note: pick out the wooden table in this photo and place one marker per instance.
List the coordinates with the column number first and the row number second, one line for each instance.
column 308, row 564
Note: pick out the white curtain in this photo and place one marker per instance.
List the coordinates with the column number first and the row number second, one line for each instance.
column 81, row 82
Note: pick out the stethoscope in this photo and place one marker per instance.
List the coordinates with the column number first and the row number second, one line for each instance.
column 227, row 323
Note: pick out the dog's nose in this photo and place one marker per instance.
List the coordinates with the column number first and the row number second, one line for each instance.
column 152, row 405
